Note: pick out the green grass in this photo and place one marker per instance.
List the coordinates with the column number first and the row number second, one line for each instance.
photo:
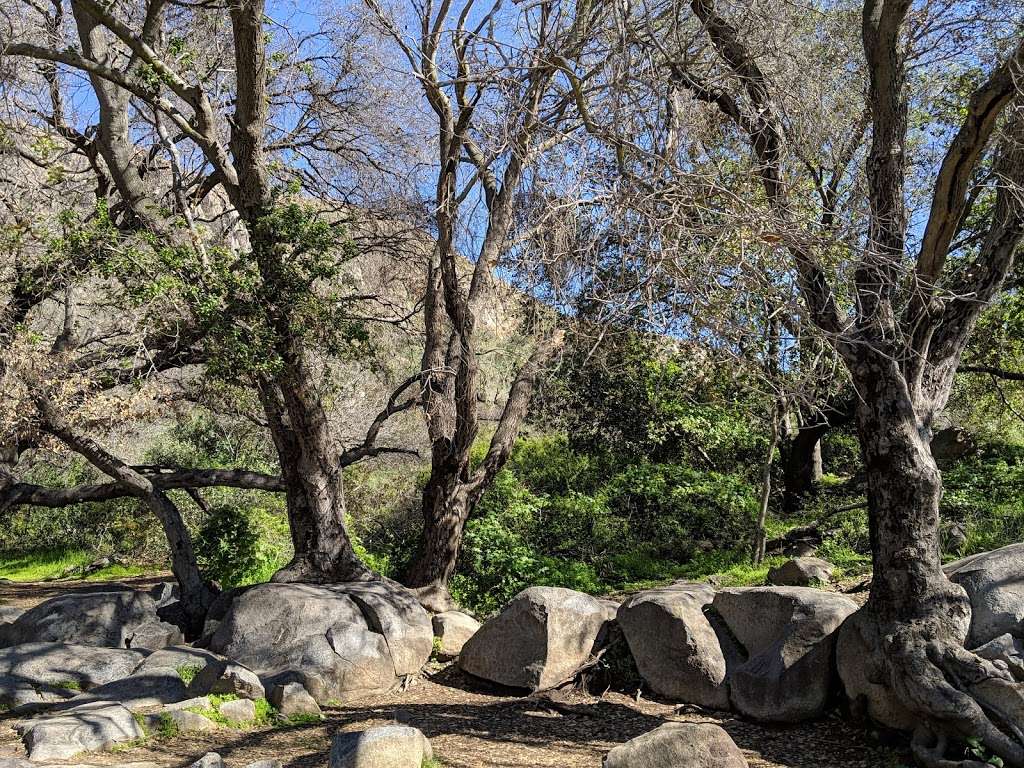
column 47, row 564
column 432, row 763
column 42, row 564
column 68, row 685
column 188, row 672
column 265, row 713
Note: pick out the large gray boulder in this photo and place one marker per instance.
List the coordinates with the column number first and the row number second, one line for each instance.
column 390, row 746
column 994, row 582
column 158, row 680
column 682, row 745
column 677, row 651
column 338, row 640
column 75, row 666
column 801, row 572
column 453, row 629
column 89, row 728
column 788, row 634
column 540, row 639
column 115, row 619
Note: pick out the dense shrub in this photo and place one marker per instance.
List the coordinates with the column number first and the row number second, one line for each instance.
column 986, row 494
column 593, row 523
column 239, row 545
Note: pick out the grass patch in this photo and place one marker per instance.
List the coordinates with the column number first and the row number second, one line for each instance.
column 432, row 762
column 166, row 728
column 188, row 672
column 265, row 713
column 40, row 565
column 302, row 718
column 49, row 564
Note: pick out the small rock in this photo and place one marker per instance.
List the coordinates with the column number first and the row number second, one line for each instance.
column 293, row 699
column 453, row 629
column 801, row 572
column 239, row 711
column 265, row 764
column 183, row 720
column 8, row 613
column 226, row 678
column 693, row 745
column 88, row 728
column 1006, row 650
column 390, row 746
column 165, row 592
column 209, row 760
column 199, row 702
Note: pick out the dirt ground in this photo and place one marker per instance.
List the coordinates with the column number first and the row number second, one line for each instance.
column 474, row 726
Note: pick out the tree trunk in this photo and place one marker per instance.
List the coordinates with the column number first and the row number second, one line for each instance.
column 916, row 620
column 802, row 470
column 196, row 593
column 446, row 507
column 766, row 491
column 314, row 483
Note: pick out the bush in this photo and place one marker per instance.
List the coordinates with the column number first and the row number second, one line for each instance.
column 986, row 495
column 239, row 546
column 557, row 517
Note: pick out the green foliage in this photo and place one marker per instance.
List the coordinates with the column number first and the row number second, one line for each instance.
column 166, row 728
column 69, row 685
column 239, row 546
column 986, row 494
column 557, row 517
column 188, row 672
column 640, row 400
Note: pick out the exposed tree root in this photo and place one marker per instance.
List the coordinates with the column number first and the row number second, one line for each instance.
column 956, row 694
column 303, row 570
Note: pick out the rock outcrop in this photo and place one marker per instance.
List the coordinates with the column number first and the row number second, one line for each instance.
column 540, row 639
column 115, row 619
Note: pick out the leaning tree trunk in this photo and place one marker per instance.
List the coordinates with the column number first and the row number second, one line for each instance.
column 916, row 621
column 196, row 594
